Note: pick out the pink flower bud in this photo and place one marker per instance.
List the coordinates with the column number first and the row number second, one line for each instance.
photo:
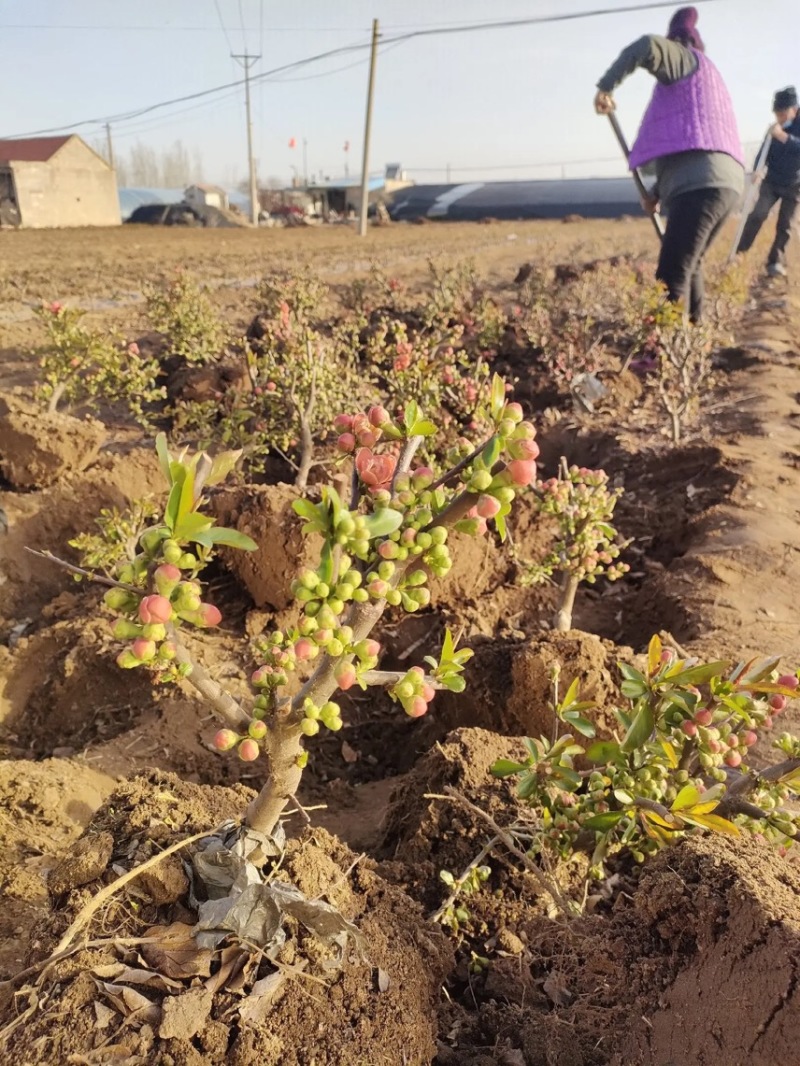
column 257, row 730
column 487, row 506
column 368, row 438
column 155, row 609
column 522, row 471
column 345, row 676
column 378, row 416
column 209, row 614
column 271, row 386
column 428, row 692
column 513, row 411
column 733, row 759
column 524, row 449
column 225, row 739
column 689, row 728
column 346, row 443
column 248, row 750
column 415, row 707
column 778, row 703
column 144, row 650
column 704, row 716
column 372, row 648
column 749, row 738
column 788, row 681
column 304, row 649
column 55, row 308
column 343, row 422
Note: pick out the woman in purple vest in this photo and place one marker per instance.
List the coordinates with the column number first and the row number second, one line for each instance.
column 689, row 133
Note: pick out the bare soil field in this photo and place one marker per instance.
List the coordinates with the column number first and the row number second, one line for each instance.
column 689, row 959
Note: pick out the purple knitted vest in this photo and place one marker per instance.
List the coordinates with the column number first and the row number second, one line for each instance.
column 692, row 114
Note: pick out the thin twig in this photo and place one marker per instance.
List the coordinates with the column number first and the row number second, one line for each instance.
column 473, row 455
column 90, row 575
column 507, row 839
column 87, row 912
column 476, row 862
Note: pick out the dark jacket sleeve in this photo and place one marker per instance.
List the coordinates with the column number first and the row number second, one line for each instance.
column 666, row 60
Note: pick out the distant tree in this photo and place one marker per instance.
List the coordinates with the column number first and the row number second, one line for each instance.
column 176, row 170
column 144, row 165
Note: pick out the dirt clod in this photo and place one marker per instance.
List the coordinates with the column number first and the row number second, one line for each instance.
column 38, row 447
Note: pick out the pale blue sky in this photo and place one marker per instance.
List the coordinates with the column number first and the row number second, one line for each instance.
column 507, row 98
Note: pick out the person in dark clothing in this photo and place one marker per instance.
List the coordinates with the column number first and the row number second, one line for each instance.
column 689, row 133
column 781, row 183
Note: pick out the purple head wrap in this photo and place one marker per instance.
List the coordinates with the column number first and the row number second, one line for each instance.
column 683, row 28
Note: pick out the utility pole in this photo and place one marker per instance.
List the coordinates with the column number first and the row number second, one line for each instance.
column 362, row 220
column 109, row 146
column 246, row 61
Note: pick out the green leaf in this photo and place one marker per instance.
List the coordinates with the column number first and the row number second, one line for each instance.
column 506, row 767
column 191, row 524
column 688, row 796
column 634, row 690
column 623, row 797
column 222, row 466
column 382, row 523
column 529, row 784
column 162, row 451
column 568, row 777
column 422, row 428
column 186, row 503
column 500, row 526
column 173, row 505
column 571, row 695
column 498, row 398
column 603, row 822
column 641, row 728
column 604, row 751
column 447, row 877
column 630, row 673
column 306, row 509
column 231, row 538
column 454, row 683
column 410, row 415
column 448, row 646
column 585, row 728
column 533, row 748
column 697, row 675
column 491, row 453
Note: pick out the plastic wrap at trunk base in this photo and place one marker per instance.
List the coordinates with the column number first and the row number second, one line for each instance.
column 239, row 902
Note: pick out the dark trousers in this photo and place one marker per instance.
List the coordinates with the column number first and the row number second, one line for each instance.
column 695, row 218
column 768, row 196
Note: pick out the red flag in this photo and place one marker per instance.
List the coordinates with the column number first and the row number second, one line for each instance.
column 292, row 142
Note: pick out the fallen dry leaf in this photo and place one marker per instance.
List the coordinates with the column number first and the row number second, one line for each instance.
column 350, row 755
column 262, row 998
column 174, row 952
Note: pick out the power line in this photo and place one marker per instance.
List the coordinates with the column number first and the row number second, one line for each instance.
column 222, row 24
column 428, row 32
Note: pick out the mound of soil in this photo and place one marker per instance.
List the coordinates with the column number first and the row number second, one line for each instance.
column 264, row 512
column 38, row 447
column 712, row 941
column 510, row 684
column 362, row 1013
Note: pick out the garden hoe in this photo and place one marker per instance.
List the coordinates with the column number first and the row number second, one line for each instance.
column 658, row 222
column 750, row 197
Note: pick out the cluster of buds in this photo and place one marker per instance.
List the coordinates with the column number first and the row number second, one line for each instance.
column 145, row 618
column 365, row 430
column 413, row 692
column 583, row 505
column 329, row 715
column 247, row 745
column 723, row 738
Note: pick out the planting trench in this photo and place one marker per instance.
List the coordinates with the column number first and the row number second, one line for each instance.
column 657, row 976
